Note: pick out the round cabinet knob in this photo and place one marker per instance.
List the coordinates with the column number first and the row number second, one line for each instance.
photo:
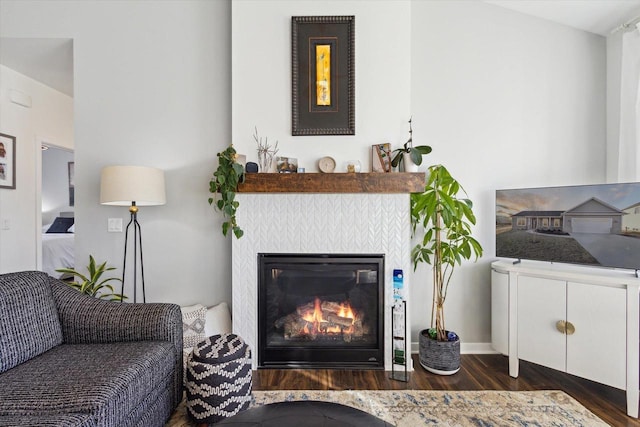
column 565, row 327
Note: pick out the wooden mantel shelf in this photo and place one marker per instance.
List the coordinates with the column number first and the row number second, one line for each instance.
column 333, row 183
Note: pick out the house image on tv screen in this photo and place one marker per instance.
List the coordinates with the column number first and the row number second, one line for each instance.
column 595, row 225
column 590, row 216
column 631, row 221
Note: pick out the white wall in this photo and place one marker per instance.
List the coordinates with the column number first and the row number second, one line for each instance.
column 506, row 101
column 152, row 88
column 262, row 78
column 55, row 183
column 49, row 119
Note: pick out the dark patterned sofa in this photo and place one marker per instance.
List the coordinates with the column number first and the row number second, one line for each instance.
column 68, row 359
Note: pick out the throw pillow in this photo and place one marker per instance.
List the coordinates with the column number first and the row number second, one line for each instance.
column 60, row 225
column 193, row 322
column 218, row 320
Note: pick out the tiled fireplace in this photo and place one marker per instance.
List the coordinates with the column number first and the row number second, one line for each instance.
column 317, row 224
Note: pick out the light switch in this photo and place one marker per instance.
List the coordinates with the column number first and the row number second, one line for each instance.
column 6, row 224
column 114, row 225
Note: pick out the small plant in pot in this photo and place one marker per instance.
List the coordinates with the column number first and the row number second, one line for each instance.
column 446, row 220
column 408, row 156
column 224, row 185
column 91, row 283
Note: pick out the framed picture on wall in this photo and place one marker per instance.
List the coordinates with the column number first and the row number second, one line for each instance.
column 323, row 75
column 7, row 161
column 72, row 173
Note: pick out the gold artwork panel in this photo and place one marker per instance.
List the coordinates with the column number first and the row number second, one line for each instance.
column 323, row 74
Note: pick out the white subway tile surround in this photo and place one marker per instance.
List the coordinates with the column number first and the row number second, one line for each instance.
column 367, row 223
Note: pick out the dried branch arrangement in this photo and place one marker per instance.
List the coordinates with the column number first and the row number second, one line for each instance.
column 266, row 153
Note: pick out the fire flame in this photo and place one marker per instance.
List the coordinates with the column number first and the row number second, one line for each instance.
column 345, row 311
column 317, row 312
column 317, row 319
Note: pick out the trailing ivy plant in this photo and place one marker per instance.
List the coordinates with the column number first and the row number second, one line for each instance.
column 224, row 185
column 91, row 284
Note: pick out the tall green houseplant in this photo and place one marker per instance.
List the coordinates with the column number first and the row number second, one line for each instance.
column 224, row 185
column 446, row 216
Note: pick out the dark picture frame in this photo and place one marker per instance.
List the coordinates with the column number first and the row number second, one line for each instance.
column 323, row 75
column 7, row 161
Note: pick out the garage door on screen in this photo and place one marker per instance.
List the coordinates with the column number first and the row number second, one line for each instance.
column 592, row 225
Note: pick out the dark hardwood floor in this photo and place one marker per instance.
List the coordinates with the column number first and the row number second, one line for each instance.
column 478, row 372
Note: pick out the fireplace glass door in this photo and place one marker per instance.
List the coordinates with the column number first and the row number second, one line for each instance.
column 320, row 310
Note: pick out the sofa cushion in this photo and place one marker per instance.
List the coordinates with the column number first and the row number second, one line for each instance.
column 112, row 382
column 29, row 323
column 56, row 420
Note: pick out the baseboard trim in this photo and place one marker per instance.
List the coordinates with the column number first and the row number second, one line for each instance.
column 466, row 348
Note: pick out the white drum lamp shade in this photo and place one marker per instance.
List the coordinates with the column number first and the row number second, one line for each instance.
column 122, row 185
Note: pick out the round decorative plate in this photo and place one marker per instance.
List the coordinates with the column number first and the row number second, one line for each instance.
column 326, row 164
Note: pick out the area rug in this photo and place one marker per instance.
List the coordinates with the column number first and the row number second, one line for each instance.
column 414, row 408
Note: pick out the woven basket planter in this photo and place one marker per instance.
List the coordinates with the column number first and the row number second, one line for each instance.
column 439, row 357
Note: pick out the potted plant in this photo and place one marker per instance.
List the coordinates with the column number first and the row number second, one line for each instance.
column 446, row 219
column 224, row 185
column 409, row 156
column 91, row 284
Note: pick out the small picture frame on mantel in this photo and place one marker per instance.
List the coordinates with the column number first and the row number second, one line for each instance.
column 323, row 75
column 381, row 157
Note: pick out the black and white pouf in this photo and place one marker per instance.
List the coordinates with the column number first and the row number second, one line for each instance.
column 218, row 378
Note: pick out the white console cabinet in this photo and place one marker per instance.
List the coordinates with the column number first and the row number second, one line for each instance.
column 580, row 320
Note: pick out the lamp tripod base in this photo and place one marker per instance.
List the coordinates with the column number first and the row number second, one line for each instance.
column 137, row 254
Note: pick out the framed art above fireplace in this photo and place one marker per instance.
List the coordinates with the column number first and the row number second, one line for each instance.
column 323, row 75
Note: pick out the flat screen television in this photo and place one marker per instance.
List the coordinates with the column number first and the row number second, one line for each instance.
column 596, row 225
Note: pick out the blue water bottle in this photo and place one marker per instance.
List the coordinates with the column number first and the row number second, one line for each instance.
column 398, row 284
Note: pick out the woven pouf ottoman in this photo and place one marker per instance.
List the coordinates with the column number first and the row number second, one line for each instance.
column 218, row 378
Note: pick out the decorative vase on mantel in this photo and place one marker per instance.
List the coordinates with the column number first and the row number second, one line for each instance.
column 408, row 164
column 266, row 153
column 265, row 160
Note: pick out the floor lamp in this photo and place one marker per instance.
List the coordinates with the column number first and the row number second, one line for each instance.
column 132, row 186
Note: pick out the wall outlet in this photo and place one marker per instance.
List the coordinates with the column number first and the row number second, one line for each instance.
column 114, row 225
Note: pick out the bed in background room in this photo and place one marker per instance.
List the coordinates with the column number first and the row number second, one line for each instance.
column 58, row 246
